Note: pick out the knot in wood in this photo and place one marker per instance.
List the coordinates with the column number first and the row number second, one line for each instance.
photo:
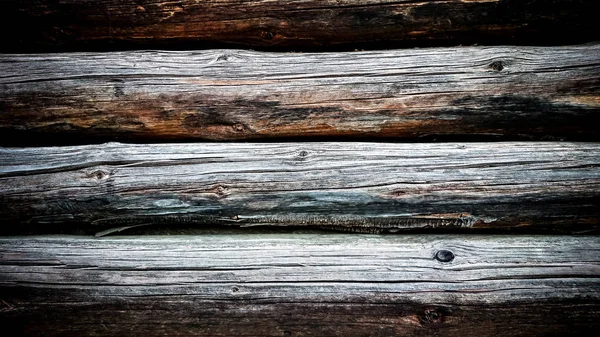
column 497, row 65
column 444, row 255
column 220, row 191
column 299, row 157
column 267, row 35
column 118, row 91
column 432, row 316
column 99, row 174
column 238, row 127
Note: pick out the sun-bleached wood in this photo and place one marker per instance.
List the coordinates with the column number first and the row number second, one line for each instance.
column 300, row 285
column 511, row 93
column 346, row 186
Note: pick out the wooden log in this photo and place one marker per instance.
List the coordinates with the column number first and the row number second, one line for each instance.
column 300, row 285
column 33, row 25
column 511, row 92
column 348, row 186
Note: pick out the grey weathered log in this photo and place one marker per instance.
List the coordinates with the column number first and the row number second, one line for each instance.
column 353, row 186
column 300, row 285
column 511, row 92
column 33, row 25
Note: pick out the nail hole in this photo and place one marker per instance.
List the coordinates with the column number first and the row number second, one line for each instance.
column 444, row 256
column 235, row 289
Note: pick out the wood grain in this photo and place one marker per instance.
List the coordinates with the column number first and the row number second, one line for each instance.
column 519, row 93
column 33, row 25
column 300, row 285
column 347, row 186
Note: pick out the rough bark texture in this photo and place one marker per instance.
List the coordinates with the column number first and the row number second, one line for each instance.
column 300, row 285
column 514, row 92
column 343, row 185
column 33, row 25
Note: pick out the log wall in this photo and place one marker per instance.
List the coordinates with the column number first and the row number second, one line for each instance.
column 300, row 25
column 301, row 285
column 126, row 116
column 464, row 93
column 345, row 186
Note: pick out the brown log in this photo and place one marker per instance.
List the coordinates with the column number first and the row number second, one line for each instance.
column 444, row 93
column 300, row 285
column 370, row 187
column 33, row 25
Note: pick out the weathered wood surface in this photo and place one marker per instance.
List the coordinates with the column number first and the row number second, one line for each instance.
column 368, row 186
column 32, row 25
column 515, row 92
column 300, row 285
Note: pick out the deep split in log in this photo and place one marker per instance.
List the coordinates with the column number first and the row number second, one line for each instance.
column 300, row 285
column 33, row 25
column 520, row 93
column 347, row 186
